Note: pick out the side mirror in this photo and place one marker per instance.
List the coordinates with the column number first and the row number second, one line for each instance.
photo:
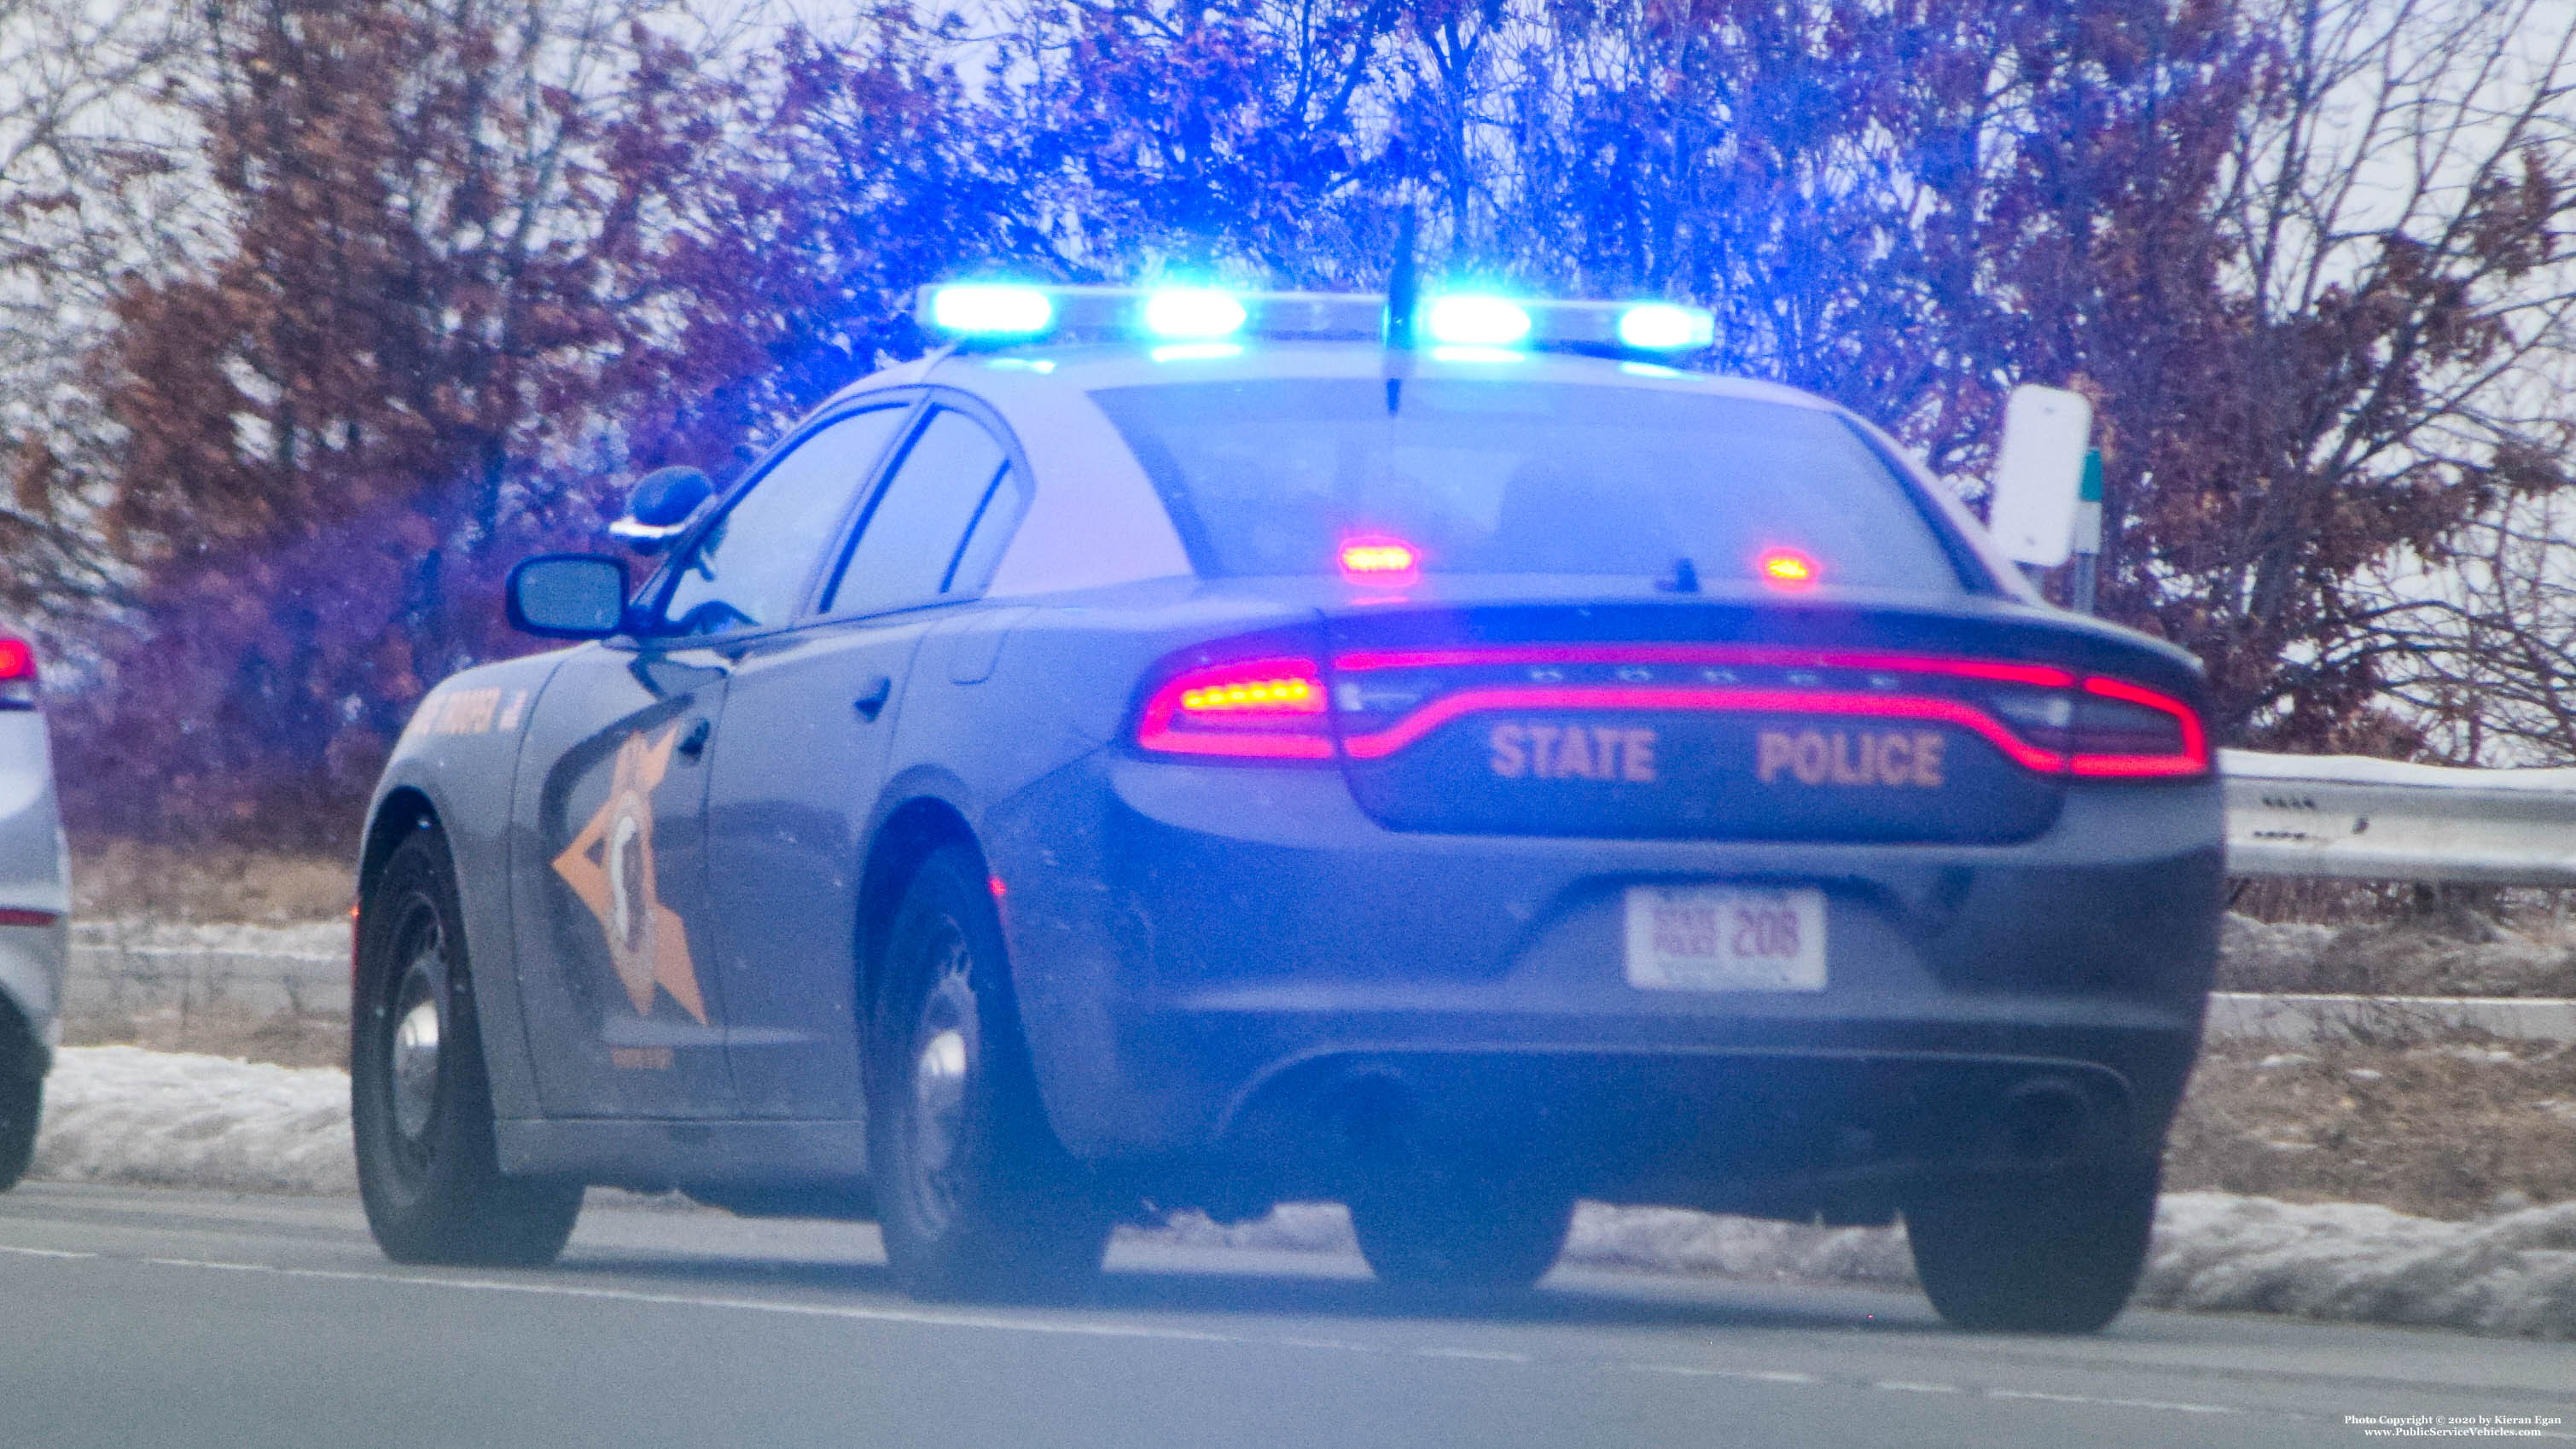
column 660, row 508
column 2039, row 471
column 568, row 596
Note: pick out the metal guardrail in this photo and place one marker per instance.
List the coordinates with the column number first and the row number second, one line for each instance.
column 2245, row 1014
column 2353, row 818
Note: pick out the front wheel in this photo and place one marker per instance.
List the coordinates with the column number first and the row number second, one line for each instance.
column 420, row 1105
column 2054, row 1257
column 976, row 1197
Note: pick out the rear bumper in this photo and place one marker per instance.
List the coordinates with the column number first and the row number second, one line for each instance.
column 1215, row 964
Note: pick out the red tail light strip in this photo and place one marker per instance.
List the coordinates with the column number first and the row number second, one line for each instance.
column 2044, row 676
column 1259, row 725
column 1683, row 697
column 2193, row 758
column 1238, row 710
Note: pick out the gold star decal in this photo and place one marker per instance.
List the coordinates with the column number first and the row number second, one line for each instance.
column 610, row 866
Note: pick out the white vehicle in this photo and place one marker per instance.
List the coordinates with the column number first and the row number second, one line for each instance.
column 34, row 895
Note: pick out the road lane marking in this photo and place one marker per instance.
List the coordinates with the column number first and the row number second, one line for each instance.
column 925, row 1317
column 2164, row 1404
column 1702, row 1371
column 942, row 1318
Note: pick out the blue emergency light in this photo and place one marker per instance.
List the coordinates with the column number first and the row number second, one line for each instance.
column 1193, row 314
column 1000, row 314
column 991, row 311
column 1468, row 321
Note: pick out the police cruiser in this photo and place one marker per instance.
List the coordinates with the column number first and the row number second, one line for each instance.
column 1188, row 748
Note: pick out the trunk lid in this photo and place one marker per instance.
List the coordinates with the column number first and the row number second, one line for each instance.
column 1710, row 719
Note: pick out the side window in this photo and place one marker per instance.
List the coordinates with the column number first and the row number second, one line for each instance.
column 954, row 480
column 749, row 570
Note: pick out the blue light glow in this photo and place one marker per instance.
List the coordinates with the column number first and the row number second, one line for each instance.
column 1193, row 312
column 1478, row 354
column 1195, row 352
column 1477, row 322
column 1663, row 327
column 992, row 311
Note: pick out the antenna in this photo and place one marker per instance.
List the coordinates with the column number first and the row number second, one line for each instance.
column 1403, row 287
column 1403, row 299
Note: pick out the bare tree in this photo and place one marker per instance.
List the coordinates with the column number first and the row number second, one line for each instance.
column 100, row 179
column 2371, row 396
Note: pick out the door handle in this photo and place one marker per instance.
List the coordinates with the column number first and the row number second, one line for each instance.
column 872, row 700
column 694, row 742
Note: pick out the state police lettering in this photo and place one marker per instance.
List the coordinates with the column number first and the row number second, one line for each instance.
column 1572, row 752
column 1902, row 758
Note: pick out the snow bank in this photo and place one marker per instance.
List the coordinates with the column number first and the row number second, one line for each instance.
column 2213, row 1251
column 2510, row 1274
column 122, row 1114
column 177, row 1119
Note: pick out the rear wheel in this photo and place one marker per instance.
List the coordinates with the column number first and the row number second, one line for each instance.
column 2055, row 1257
column 22, row 1107
column 420, row 1105
column 976, row 1196
column 1460, row 1231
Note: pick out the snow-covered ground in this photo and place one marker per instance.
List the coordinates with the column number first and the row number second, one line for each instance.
column 122, row 1114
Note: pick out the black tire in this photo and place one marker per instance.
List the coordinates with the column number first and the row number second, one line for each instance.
column 421, row 1106
column 2052, row 1257
column 22, row 1109
column 1460, row 1231
column 975, row 1195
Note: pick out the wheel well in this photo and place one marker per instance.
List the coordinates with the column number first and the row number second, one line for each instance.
column 402, row 812
column 917, row 828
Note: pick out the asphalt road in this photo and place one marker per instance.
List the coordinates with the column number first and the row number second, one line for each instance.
column 147, row 1318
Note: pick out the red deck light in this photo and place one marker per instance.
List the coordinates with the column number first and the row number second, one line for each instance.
column 1381, row 562
column 1786, row 568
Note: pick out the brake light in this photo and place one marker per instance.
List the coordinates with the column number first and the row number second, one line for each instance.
column 1258, row 709
column 2128, row 731
column 2043, row 717
column 1381, row 562
column 1786, row 568
column 17, row 673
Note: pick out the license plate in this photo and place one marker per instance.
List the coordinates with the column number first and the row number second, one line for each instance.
column 1725, row 938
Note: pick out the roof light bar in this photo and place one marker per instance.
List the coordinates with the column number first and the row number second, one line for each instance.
column 1002, row 314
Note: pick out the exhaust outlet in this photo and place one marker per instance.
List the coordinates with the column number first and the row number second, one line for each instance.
column 2044, row 1120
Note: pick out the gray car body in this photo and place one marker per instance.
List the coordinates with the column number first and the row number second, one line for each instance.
column 1004, row 735
column 34, row 876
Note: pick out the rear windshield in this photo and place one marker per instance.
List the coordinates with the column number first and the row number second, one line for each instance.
column 1273, row 477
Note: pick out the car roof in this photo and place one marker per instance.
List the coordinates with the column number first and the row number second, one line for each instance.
column 1091, row 366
